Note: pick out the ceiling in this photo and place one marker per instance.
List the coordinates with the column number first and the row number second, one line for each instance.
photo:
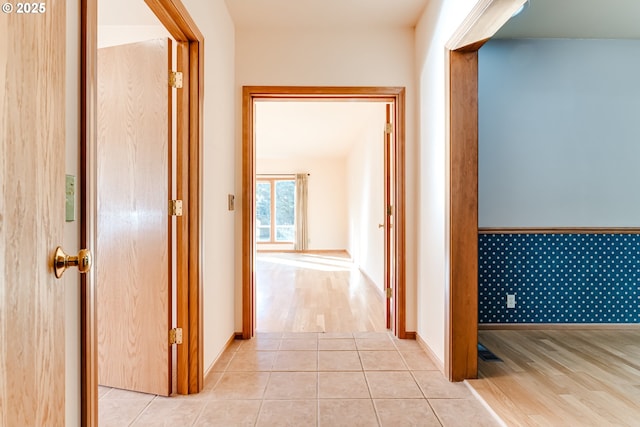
column 312, row 129
column 581, row 19
column 319, row 129
column 125, row 12
column 541, row 18
column 325, row 13
column 299, row 127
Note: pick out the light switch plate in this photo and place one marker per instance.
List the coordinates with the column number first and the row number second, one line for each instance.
column 70, row 198
column 511, row 300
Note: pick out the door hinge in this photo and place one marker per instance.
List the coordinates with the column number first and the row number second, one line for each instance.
column 175, row 207
column 389, row 210
column 389, row 293
column 175, row 79
column 175, row 336
column 388, row 129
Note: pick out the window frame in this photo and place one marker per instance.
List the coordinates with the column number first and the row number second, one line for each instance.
column 272, row 180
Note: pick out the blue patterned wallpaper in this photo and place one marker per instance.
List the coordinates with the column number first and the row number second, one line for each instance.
column 559, row 278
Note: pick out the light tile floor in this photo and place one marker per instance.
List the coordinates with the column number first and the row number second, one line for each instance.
column 308, row 379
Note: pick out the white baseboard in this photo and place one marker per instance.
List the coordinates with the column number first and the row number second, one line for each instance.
column 226, row 346
column 439, row 363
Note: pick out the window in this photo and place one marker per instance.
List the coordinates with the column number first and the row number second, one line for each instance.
column 275, row 210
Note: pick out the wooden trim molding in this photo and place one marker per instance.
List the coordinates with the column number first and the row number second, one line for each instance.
column 461, row 292
column 175, row 17
column 182, row 223
column 411, row 335
column 88, row 206
column 557, row 326
column 463, row 208
column 248, row 212
column 250, row 94
column 559, row 230
column 400, row 212
column 365, row 93
column 196, row 280
column 486, row 18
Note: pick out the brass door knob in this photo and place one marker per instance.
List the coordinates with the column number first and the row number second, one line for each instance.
column 62, row 261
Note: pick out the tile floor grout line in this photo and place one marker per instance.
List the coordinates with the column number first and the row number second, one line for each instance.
column 329, row 406
column 375, row 410
column 195, row 421
column 366, row 379
column 264, row 392
column 318, row 392
column 137, row 417
column 433, row 410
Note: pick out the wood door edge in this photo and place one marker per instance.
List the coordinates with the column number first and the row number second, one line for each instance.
column 88, row 139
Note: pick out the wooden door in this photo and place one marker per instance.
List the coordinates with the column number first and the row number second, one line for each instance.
column 389, row 253
column 32, row 201
column 133, row 245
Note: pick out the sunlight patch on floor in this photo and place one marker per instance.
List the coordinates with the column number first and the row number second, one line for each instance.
column 312, row 262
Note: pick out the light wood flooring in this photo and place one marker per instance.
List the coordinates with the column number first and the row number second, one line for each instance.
column 562, row 377
column 315, row 293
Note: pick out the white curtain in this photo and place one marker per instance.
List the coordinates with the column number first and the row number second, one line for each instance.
column 302, row 231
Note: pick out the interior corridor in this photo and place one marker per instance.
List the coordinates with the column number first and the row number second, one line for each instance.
column 310, row 379
column 344, row 370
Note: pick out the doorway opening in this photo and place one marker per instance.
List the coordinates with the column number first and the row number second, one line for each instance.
column 461, row 328
column 520, row 342
column 395, row 212
column 175, row 18
column 320, row 209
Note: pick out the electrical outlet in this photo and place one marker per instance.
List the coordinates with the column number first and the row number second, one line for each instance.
column 511, row 300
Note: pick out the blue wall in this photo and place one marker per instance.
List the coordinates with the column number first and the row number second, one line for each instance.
column 559, row 133
column 559, row 146
column 560, row 278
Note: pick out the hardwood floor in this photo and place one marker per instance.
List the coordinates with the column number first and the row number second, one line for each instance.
column 562, row 377
column 315, row 293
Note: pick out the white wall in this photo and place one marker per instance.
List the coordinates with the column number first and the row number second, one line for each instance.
column 437, row 24
column 337, row 57
column 327, row 197
column 214, row 22
column 365, row 200
column 558, row 133
column 114, row 35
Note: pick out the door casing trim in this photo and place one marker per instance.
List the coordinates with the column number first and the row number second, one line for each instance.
column 176, row 19
column 461, row 100
column 250, row 94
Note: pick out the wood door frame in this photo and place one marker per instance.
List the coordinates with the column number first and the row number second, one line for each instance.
column 461, row 294
column 250, row 94
column 387, row 214
column 190, row 41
